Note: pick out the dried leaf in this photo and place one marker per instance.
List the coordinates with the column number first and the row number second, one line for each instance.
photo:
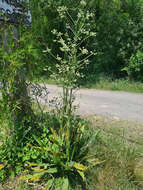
column 1, row 166
column 54, row 134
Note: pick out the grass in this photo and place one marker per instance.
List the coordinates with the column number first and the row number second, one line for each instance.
column 15, row 184
column 44, row 80
column 118, row 147
column 104, row 83
column 131, row 131
column 107, row 83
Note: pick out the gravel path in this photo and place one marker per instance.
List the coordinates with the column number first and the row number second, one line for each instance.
column 122, row 105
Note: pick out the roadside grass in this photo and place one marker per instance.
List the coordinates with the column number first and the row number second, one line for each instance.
column 45, row 80
column 132, row 131
column 104, row 83
column 118, row 150
column 15, row 184
column 120, row 145
column 108, row 83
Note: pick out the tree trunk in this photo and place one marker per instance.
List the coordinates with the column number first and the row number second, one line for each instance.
column 19, row 100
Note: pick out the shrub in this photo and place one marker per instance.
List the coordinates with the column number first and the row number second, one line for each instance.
column 135, row 67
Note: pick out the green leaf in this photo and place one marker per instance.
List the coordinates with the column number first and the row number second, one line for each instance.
column 81, row 174
column 59, row 184
column 32, row 177
column 49, row 184
column 37, row 140
column 65, row 184
column 12, row 174
column 38, row 175
column 31, row 164
column 26, row 177
column 51, row 170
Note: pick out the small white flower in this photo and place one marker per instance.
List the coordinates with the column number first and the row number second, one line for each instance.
column 54, row 31
column 79, row 15
column 87, row 15
column 62, row 10
column 86, row 62
column 47, row 50
column 59, row 34
column 58, row 58
column 84, row 51
column 92, row 33
column 83, row 3
column 61, row 41
column 73, row 45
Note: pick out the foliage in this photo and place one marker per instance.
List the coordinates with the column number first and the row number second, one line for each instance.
column 104, row 82
column 54, row 148
column 118, row 35
column 110, row 146
column 134, row 68
column 72, row 55
column 15, row 56
column 57, row 153
column 118, row 25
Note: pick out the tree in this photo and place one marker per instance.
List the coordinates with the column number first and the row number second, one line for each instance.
column 15, row 59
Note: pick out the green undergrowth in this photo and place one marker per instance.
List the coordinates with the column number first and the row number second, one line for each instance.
column 53, row 151
column 107, row 83
column 103, row 83
column 108, row 163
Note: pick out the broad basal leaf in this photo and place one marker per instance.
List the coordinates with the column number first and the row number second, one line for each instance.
column 79, row 166
column 81, row 173
column 65, row 184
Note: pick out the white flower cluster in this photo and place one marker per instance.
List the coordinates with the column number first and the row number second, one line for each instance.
column 62, row 11
column 83, row 3
column 74, row 55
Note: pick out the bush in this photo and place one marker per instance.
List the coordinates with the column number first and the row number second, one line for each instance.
column 135, row 67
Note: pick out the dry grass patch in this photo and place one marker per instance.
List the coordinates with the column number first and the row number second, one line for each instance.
column 131, row 131
column 14, row 184
column 120, row 145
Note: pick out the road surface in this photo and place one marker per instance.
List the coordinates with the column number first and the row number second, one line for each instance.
column 122, row 105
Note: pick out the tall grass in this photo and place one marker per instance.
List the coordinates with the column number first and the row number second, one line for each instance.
column 108, row 83
column 117, row 172
column 103, row 82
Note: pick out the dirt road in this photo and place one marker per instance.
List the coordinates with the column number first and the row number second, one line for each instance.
column 122, row 105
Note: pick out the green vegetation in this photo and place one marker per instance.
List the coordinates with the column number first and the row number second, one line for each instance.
column 117, row 151
column 117, row 44
column 51, row 148
column 116, row 63
column 107, row 83
column 52, row 155
column 56, row 149
column 103, row 82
